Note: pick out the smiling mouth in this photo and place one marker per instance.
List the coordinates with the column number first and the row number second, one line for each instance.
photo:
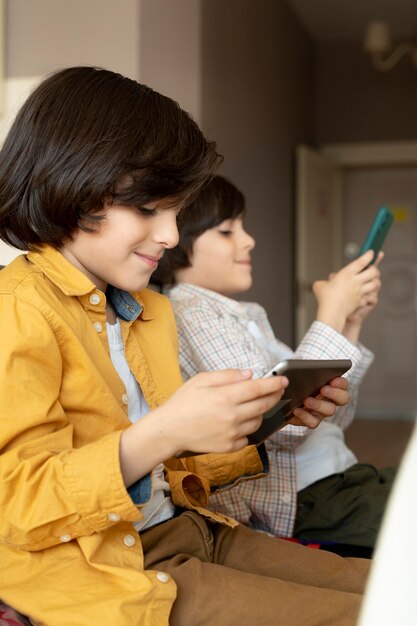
column 151, row 261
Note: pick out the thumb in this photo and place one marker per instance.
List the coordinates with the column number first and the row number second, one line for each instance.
column 379, row 258
column 361, row 262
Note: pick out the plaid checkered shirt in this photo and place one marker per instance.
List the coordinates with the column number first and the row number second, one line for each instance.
column 214, row 334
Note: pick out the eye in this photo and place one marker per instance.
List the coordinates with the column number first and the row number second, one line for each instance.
column 225, row 232
column 147, row 212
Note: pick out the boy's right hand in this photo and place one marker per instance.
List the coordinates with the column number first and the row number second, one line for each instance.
column 211, row 412
column 216, row 411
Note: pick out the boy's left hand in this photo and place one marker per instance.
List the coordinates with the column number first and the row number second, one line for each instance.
column 324, row 405
column 361, row 313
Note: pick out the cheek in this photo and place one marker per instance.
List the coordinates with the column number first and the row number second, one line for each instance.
column 212, row 257
column 220, row 261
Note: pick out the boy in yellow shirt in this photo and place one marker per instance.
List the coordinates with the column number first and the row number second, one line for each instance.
column 102, row 519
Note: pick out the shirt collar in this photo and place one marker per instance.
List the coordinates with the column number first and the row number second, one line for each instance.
column 185, row 291
column 72, row 282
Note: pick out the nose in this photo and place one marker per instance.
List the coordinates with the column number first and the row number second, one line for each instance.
column 166, row 229
column 249, row 241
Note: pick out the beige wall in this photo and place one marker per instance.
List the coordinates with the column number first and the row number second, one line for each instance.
column 44, row 35
column 258, row 104
column 355, row 102
column 170, row 50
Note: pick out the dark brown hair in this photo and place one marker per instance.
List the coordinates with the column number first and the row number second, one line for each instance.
column 218, row 200
column 87, row 136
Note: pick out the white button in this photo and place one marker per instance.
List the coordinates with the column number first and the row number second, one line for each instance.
column 65, row 538
column 113, row 517
column 98, row 327
column 286, row 498
column 129, row 540
column 95, row 298
column 125, row 399
column 163, row 577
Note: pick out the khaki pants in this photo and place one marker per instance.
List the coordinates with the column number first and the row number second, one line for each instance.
column 241, row 577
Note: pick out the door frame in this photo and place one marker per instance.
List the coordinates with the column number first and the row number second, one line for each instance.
column 363, row 154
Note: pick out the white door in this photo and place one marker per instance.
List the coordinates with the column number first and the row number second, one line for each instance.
column 318, row 228
column 335, row 205
column 390, row 387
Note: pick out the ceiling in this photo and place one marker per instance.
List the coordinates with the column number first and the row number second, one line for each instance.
column 344, row 20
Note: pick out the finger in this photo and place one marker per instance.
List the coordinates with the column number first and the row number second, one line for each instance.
column 367, row 278
column 359, row 264
column 368, row 274
column 371, row 300
column 339, row 397
column 377, row 286
column 250, row 426
column 339, row 382
column 249, row 390
column 317, row 286
column 379, row 258
column 367, row 287
column 367, row 300
column 222, row 377
column 258, row 406
column 362, row 310
column 304, row 418
column 324, row 408
column 244, row 428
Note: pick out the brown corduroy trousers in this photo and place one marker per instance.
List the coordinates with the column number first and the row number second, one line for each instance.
column 240, row 577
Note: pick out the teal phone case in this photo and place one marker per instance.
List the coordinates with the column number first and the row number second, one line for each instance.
column 378, row 232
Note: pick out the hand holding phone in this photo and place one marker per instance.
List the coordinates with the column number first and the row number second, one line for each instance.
column 306, row 377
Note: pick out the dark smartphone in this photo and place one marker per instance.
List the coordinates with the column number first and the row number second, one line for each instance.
column 306, row 377
column 378, row 232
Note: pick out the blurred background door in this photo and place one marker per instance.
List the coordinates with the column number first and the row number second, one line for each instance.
column 390, row 387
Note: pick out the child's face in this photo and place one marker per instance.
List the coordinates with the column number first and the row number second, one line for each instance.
column 125, row 249
column 221, row 259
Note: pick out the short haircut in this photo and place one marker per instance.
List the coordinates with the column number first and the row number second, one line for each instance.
column 217, row 201
column 85, row 137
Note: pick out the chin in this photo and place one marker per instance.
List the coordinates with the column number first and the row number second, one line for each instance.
column 237, row 289
column 247, row 285
column 131, row 285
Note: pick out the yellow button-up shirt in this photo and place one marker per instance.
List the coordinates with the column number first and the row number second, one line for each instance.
column 69, row 554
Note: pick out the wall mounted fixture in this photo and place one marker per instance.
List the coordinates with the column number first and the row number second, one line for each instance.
column 378, row 44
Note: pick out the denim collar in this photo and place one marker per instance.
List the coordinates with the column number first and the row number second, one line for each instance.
column 125, row 305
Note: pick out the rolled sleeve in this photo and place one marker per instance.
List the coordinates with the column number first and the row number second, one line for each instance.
column 37, row 516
